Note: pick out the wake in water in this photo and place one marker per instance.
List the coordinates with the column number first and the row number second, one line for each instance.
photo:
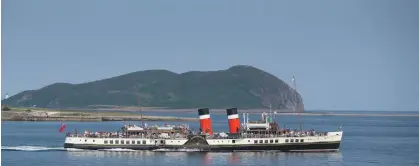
column 42, row 148
column 31, row 148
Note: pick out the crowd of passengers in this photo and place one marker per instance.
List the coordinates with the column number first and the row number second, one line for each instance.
column 155, row 127
column 264, row 134
column 269, row 134
column 123, row 134
column 99, row 134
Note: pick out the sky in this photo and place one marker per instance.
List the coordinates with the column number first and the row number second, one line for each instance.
column 346, row 55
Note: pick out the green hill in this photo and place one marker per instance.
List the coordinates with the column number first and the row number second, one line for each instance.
column 239, row 86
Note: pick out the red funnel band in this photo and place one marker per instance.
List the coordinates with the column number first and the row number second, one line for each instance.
column 205, row 122
column 206, row 125
column 234, row 123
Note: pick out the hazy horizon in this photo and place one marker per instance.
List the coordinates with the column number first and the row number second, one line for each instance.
column 346, row 55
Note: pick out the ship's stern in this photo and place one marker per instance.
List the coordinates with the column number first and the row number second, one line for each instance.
column 69, row 142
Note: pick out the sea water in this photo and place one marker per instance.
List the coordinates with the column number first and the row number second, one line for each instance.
column 366, row 141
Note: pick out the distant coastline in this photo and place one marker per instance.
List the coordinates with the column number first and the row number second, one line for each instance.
column 42, row 114
column 279, row 112
column 132, row 114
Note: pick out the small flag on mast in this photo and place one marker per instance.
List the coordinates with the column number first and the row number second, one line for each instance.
column 62, row 127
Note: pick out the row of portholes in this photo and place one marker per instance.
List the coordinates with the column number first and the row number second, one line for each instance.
column 86, row 140
column 218, row 141
column 276, row 141
column 138, row 142
column 266, row 141
column 125, row 142
column 296, row 140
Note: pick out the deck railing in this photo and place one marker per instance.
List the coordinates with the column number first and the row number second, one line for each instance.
column 241, row 135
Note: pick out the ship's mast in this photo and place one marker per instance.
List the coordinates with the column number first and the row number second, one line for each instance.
column 141, row 111
column 295, row 88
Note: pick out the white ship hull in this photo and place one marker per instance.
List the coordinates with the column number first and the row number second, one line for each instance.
column 329, row 142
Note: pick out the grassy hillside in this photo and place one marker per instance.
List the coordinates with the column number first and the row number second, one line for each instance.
column 238, row 86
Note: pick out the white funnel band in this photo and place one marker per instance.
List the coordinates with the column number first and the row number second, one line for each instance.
column 204, row 116
column 234, row 116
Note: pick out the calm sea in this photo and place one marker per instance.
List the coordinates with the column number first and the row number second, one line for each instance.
column 366, row 141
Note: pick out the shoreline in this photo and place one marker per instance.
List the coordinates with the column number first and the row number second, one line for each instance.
column 81, row 116
column 42, row 114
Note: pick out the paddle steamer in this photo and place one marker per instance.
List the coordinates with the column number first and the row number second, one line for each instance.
column 264, row 134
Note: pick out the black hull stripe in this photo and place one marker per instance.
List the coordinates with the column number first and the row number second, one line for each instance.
column 282, row 147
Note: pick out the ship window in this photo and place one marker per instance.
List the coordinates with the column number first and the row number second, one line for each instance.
column 266, row 141
column 302, row 140
column 127, row 142
column 256, row 141
column 286, row 140
column 296, row 140
column 85, row 140
column 116, row 141
column 106, row 141
column 111, row 142
column 132, row 142
column 162, row 142
column 93, row 140
column 271, row 141
column 138, row 142
column 144, row 142
column 292, row 140
column 276, row 141
column 122, row 141
column 260, row 141
column 234, row 141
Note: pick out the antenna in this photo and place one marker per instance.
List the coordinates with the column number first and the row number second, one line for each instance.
column 270, row 109
column 295, row 87
column 141, row 111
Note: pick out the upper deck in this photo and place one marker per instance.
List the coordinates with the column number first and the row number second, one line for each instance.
column 264, row 128
column 165, row 132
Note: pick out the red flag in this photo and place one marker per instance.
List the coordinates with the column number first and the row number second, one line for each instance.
column 62, row 127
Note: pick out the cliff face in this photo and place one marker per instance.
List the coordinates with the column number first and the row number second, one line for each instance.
column 239, row 86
